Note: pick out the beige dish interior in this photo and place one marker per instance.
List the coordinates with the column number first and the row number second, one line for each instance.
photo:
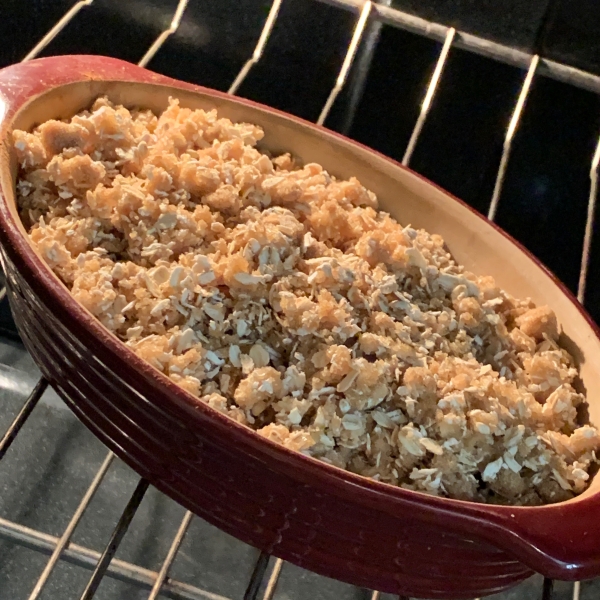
column 407, row 197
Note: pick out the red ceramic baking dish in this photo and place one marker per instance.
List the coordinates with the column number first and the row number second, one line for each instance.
column 304, row 511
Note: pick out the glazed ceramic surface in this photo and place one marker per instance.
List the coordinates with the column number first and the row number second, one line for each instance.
column 312, row 514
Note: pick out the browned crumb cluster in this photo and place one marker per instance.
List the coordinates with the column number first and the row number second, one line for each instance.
column 281, row 297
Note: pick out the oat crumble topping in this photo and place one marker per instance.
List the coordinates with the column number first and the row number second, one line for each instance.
column 281, row 297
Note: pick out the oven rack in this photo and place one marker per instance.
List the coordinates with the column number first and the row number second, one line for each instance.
column 264, row 579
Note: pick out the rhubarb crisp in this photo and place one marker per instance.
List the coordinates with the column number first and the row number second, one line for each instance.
column 279, row 295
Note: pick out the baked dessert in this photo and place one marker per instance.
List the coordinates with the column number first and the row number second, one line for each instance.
column 280, row 296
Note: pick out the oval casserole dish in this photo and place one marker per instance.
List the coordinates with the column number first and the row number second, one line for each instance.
column 307, row 512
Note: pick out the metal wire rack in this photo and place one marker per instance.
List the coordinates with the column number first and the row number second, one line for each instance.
column 267, row 570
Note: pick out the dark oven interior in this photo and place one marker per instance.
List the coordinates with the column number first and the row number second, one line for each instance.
column 496, row 102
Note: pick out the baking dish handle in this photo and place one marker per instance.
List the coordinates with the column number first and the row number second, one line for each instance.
column 560, row 541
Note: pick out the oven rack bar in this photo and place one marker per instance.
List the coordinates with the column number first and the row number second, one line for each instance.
column 431, row 89
column 21, row 418
column 162, row 38
column 467, row 41
column 66, row 536
column 58, row 27
column 87, row 558
column 260, row 47
column 159, row 583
